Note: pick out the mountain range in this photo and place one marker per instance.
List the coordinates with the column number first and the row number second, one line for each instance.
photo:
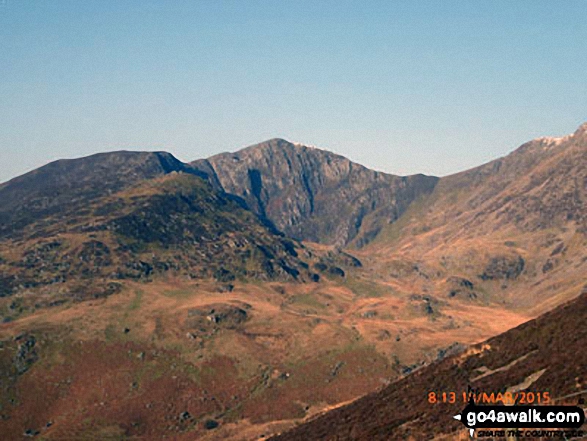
column 236, row 296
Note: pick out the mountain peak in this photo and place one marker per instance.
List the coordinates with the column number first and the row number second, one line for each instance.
column 553, row 141
column 313, row 194
column 281, row 143
column 581, row 130
column 63, row 185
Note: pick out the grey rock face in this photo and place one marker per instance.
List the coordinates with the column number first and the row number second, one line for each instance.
column 314, row 195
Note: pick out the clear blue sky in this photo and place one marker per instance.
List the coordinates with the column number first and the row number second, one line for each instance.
column 400, row 86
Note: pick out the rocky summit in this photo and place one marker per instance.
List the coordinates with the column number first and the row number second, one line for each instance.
column 312, row 194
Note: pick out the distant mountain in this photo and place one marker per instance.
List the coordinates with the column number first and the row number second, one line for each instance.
column 197, row 325
column 540, row 185
column 74, row 229
column 62, row 187
column 312, row 194
column 543, row 355
column 516, row 222
column 516, row 226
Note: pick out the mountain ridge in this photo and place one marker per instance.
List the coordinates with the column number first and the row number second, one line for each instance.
column 302, row 190
column 174, row 284
column 128, row 216
column 66, row 185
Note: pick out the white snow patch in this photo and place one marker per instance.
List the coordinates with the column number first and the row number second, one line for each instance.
column 551, row 141
column 299, row 144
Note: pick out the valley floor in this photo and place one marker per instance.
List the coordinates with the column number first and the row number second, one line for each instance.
column 179, row 359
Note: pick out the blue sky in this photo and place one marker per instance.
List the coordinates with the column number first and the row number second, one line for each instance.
column 400, row 86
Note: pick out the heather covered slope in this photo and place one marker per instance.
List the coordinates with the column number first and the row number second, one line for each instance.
column 182, row 359
column 312, row 194
column 543, row 355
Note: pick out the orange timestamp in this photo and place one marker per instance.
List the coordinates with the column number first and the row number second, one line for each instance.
column 522, row 397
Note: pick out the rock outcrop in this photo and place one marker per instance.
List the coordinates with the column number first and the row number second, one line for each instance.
column 312, row 194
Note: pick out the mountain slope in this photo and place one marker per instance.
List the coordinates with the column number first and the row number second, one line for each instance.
column 63, row 187
column 516, row 227
column 312, row 194
column 196, row 322
column 543, row 355
column 540, row 185
column 76, row 229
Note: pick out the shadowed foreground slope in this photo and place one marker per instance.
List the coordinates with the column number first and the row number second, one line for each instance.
column 543, row 355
